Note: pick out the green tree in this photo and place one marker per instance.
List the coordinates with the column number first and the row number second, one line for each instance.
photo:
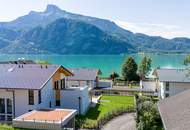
column 129, row 69
column 187, row 60
column 148, row 116
column 114, row 75
column 144, row 67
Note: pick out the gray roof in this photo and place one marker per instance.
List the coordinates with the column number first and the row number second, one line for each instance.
column 31, row 76
column 175, row 111
column 83, row 74
column 173, row 75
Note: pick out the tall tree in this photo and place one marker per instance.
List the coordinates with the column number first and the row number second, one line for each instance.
column 114, row 75
column 187, row 60
column 144, row 67
column 129, row 69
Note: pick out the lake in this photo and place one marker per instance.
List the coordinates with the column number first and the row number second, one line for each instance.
column 107, row 63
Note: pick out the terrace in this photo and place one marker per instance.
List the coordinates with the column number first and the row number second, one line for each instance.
column 51, row 119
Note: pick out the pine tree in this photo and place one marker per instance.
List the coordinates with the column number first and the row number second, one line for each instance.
column 129, row 69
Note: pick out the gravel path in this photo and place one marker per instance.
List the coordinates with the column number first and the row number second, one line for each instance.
column 123, row 122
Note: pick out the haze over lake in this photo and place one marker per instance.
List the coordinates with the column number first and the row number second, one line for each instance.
column 107, row 63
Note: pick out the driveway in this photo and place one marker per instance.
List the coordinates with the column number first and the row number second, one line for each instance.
column 123, row 122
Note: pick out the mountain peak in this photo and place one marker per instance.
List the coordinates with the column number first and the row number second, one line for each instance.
column 52, row 8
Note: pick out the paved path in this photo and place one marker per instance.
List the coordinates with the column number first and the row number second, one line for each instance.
column 123, row 122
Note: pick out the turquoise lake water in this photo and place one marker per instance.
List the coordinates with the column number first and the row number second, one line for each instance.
column 107, row 63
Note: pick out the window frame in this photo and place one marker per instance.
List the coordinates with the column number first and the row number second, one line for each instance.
column 30, row 97
column 9, row 106
column 167, row 87
column 62, row 83
column 3, row 104
column 39, row 97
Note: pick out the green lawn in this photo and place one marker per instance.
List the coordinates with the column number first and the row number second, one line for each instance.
column 6, row 127
column 107, row 104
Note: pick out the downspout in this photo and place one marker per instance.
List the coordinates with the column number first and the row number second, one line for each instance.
column 79, row 105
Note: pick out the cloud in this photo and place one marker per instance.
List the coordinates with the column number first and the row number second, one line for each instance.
column 167, row 31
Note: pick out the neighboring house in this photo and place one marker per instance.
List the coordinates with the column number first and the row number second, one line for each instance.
column 84, row 77
column 170, row 82
column 24, row 88
column 175, row 111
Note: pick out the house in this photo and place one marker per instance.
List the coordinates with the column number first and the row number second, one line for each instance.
column 84, row 77
column 47, row 119
column 170, row 82
column 27, row 87
column 175, row 112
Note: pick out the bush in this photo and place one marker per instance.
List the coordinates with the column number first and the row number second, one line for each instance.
column 148, row 117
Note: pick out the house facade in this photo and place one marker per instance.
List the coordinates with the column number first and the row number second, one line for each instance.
column 24, row 88
column 84, row 77
column 170, row 82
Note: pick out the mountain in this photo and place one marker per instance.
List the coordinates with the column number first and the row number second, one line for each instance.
column 68, row 36
column 58, row 31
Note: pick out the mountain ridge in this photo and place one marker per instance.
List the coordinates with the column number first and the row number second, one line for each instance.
column 14, row 35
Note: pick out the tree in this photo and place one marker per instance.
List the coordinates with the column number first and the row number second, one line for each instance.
column 114, row 75
column 148, row 116
column 145, row 67
column 129, row 69
column 187, row 60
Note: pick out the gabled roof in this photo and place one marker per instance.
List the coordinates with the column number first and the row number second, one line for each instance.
column 173, row 75
column 175, row 111
column 84, row 74
column 30, row 76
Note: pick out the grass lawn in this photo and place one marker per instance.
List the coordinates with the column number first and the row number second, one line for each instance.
column 6, row 127
column 107, row 104
column 9, row 127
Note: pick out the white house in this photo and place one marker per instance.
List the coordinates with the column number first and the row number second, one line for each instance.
column 24, row 88
column 170, row 82
column 84, row 77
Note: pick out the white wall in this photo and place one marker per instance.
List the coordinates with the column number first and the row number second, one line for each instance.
column 105, row 83
column 47, row 95
column 70, row 100
column 174, row 88
column 70, row 83
column 149, row 85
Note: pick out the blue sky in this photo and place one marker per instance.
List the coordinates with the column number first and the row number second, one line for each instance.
column 168, row 18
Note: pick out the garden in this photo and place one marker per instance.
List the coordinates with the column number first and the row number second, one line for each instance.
column 107, row 108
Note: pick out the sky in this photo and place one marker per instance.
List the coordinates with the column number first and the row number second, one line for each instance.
column 167, row 18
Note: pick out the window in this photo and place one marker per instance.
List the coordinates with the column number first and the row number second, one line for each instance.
column 88, row 83
column 57, row 103
column 56, row 85
column 39, row 97
column 167, row 86
column 62, row 83
column 167, row 95
column 2, row 105
column 30, row 97
column 9, row 106
column 2, row 117
column 9, row 118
